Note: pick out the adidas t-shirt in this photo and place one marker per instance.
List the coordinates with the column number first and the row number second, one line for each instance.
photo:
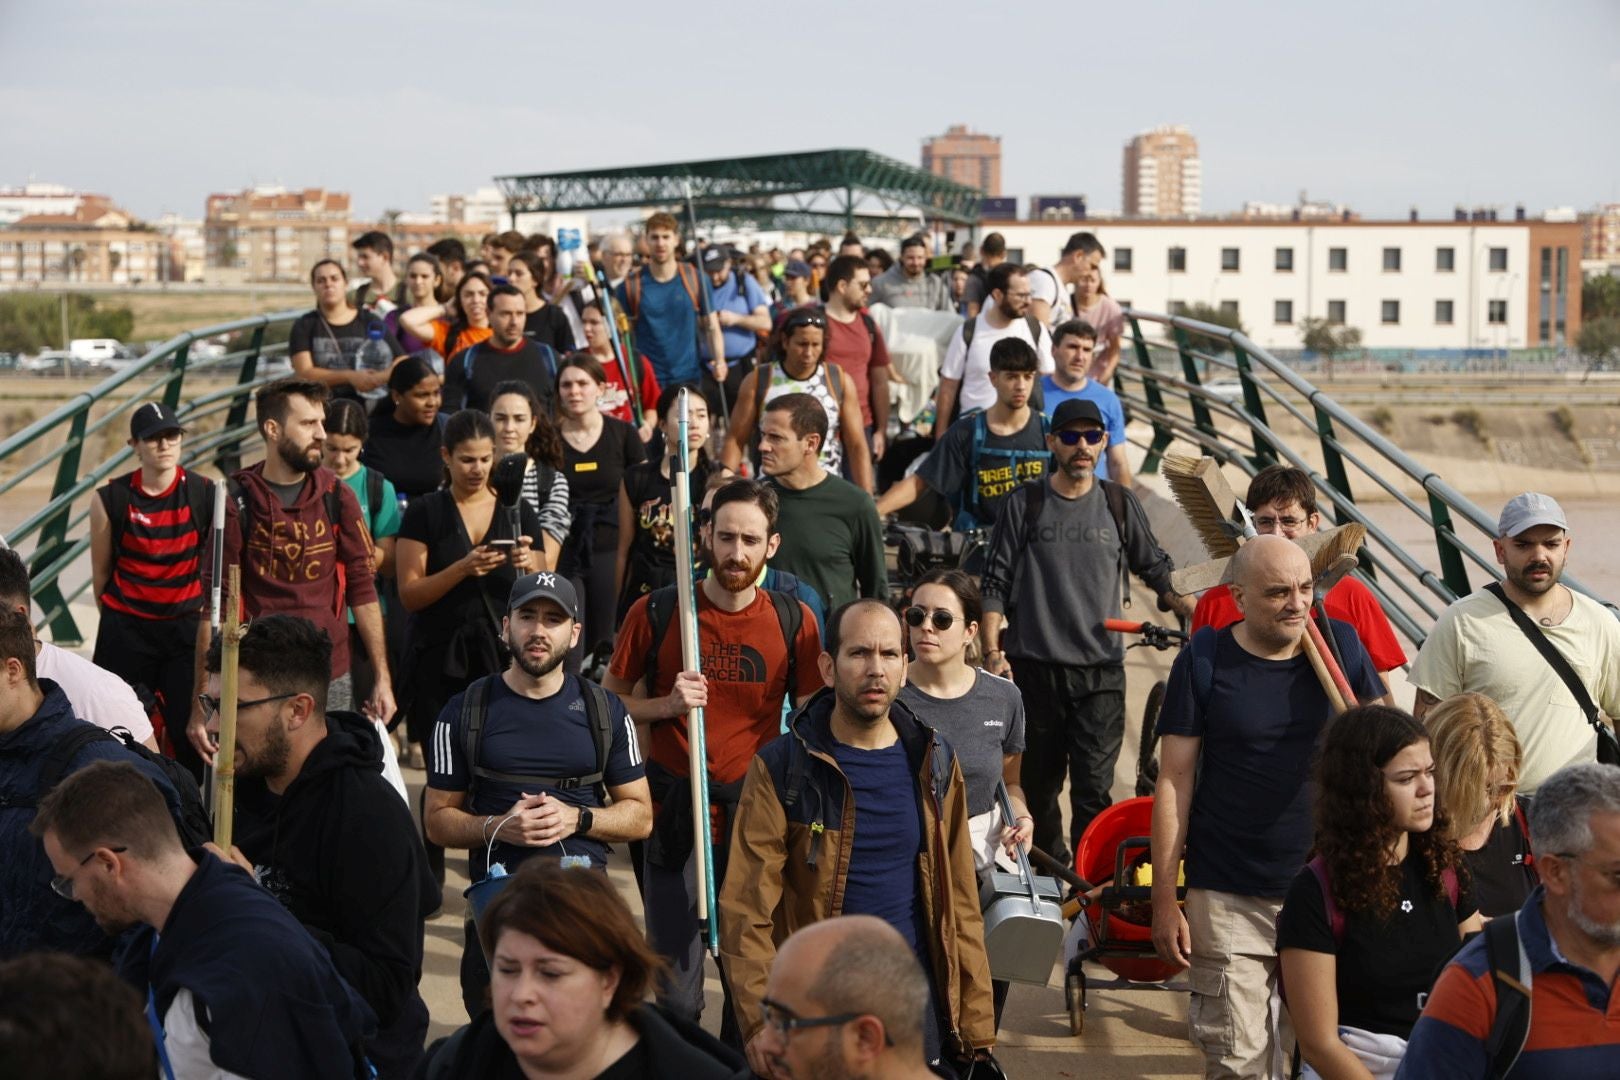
column 549, row 737
column 745, row 659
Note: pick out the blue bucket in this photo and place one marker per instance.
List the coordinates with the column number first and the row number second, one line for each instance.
column 480, row 893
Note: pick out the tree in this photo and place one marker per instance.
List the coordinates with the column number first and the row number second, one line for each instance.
column 1207, row 313
column 1600, row 298
column 1328, row 339
column 1599, row 341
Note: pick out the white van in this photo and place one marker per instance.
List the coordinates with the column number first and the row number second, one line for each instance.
column 99, row 349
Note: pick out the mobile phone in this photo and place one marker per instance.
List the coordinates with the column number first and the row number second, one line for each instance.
column 500, row 543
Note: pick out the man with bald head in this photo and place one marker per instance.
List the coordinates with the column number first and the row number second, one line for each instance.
column 1243, row 710
column 845, row 999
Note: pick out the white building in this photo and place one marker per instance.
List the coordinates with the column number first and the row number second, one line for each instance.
column 1405, row 285
column 188, row 246
column 484, row 208
column 32, row 199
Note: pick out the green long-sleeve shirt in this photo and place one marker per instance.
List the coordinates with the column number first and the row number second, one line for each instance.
column 832, row 538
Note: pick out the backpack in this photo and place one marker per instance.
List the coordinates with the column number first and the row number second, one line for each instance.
column 1113, row 494
column 661, row 611
column 1512, row 977
column 191, row 820
column 688, row 275
column 546, row 352
column 199, row 497
column 475, row 710
column 981, row 432
column 1034, row 324
column 831, row 374
column 333, row 501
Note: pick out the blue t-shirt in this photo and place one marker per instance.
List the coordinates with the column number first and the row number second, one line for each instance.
column 740, row 341
column 1249, row 831
column 550, row 737
column 882, row 879
column 665, row 328
column 1107, row 403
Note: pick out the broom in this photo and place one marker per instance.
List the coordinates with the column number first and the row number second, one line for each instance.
column 1223, row 523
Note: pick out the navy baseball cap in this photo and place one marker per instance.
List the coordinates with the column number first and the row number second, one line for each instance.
column 715, row 256
column 152, row 420
column 796, row 268
column 544, row 586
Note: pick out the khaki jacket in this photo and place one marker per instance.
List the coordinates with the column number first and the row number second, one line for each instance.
column 790, row 852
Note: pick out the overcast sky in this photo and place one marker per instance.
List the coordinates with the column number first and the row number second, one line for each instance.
column 1381, row 105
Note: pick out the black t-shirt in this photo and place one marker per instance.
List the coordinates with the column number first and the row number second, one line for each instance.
column 434, row 521
column 332, row 347
column 1501, row 870
column 652, row 553
column 549, row 326
column 1250, row 825
column 594, row 477
column 471, row 374
column 524, row 737
column 408, row 455
column 1003, row 462
column 1385, row 967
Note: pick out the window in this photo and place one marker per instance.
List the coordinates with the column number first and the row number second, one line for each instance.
column 1442, row 312
column 1390, row 312
column 1285, row 260
column 1445, row 260
column 1178, row 307
column 1497, row 313
column 1338, row 260
column 1178, row 260
column 1229, row 309
column 1282, row 312
column 1392, row 260
column 1229, row 259
column 1498, row 260
column 1336, row 312
column 1122, row 260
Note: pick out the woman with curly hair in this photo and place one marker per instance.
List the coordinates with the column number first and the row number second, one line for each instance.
column 1476, row 776
column 522, row 426
column 1369, row 923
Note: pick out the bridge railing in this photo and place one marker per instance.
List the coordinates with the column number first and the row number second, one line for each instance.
column 211, row 394
column 1261, row 411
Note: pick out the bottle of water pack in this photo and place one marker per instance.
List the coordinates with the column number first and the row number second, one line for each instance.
column 374, row 356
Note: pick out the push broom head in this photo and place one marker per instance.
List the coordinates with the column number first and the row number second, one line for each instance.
column 1207, row 499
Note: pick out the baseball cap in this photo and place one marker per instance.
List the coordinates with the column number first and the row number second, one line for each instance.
column 797, row 268
column 1076, row 409
column 152, row 419
column 715, row 256
column 544, row 586
column 1527, row 511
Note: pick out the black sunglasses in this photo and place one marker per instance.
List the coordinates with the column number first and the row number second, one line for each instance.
column 804, row 318
column 941, row 618
column 1091, row 436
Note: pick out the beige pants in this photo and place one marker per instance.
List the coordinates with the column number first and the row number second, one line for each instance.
column 1234, row 1017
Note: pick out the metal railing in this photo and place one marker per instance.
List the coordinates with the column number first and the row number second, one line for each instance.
column 1165, row 382
column 203, row 395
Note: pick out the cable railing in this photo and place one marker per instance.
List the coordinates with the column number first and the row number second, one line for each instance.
column 1165, row 383
column 211, row 396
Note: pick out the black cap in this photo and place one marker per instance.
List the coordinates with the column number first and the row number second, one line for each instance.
column 544, row 586
column 153, row 419
column 715, row 256
column 1077, row 409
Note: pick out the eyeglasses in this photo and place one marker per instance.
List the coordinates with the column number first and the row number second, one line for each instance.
column 941, row 618
column 1090, row 436
column 1269, row 522
column 211, row 704
column 782, row 1020
column 62, row 884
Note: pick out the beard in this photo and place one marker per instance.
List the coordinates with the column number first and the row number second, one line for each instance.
column 272, row 759
column 534, row 669
column 300, row 459
column 1521, row 577
column 736, row 575
column 1606, row 934
column 862, row 711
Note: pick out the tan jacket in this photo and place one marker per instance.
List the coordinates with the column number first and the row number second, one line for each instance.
column 791, row 844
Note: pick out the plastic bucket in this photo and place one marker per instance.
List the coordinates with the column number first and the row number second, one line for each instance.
column 1094, row 860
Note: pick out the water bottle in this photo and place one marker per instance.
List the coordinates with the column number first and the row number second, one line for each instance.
column 568, row 243
column 374, row 356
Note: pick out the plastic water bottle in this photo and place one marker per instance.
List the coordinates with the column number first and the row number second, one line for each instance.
column 374, row 356
column 568, row 244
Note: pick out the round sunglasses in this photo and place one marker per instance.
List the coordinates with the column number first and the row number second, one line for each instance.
column 941, row 618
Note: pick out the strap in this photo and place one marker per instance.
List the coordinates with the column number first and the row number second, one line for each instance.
column 798, row 761
column 660, row 612
column 474, row 710
column 153, row 1021
column 981, row 430
column 689, row 279
column 632, row 293
column 61, row 757
column 1335, row 917
column 1448, row 878
column 1202, row 650
column 1511, row 977
column 116, row 499
column 1524, row 831
column 199, row 497
column 600, row 715
column 790, row 617
column 374, row 495
column 871, row 330
column 1554, row 658
column 1114, row 495
column 967, row 332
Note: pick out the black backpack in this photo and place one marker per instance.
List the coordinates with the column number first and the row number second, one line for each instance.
column 661, row 611
column 192, row 820
column 1511, row 976
column 199, row 497
column 475, row 711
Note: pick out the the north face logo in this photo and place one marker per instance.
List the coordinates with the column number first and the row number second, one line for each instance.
column 735, row 663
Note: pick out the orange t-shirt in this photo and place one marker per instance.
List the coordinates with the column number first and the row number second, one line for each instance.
column 745, row 659
column 470, row 335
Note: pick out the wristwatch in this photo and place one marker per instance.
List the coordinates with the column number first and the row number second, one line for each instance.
column 585, row 821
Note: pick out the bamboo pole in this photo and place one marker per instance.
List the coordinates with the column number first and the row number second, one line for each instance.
column 225, row 752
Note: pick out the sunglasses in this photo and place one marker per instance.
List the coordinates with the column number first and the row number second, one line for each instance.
column 942, row 619
column 804, row 318
column 1090, row 436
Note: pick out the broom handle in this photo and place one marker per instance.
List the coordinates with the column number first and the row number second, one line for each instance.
column 225, row 754
column 1314, row 650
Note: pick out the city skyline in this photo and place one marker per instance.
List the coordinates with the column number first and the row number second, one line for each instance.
column 1395, row 108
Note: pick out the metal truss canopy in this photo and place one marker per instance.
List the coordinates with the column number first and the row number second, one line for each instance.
column 731, row 188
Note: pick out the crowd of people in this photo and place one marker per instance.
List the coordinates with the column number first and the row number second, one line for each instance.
column 460, row 554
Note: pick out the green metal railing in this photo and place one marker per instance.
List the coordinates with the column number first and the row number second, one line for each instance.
column 1164, row 382
column 203, row 394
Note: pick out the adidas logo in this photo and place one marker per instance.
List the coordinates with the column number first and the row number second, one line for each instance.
column 578, row 705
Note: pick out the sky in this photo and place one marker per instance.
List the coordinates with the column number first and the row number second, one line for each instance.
column 1380, row 105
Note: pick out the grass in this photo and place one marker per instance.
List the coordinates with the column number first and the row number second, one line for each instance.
column 161, row 315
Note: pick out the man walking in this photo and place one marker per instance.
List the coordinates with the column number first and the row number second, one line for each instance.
column 1057, row 566
column 1072, row 343
column 856, row 345
column 744, row 313
column 1477, row 644
column 1242, row 714
column 663, row 299
column 859, row 809
column 1052, row 289
column 964, row 374
column 471, row 375
column 908, row 284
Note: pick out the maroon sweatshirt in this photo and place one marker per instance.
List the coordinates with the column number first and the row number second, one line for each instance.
column 293, row 564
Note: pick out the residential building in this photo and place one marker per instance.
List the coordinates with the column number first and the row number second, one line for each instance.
column 1448, row 285
column 1306, row 209
column 1600, row 236
column 967, row 157
column 1164, row 177
column 187, row 254
column 32, row 199
column 484, row 209
column 96, row 243
column 272, row 234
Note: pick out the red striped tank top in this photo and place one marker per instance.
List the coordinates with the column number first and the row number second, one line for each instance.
column 157, row 554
